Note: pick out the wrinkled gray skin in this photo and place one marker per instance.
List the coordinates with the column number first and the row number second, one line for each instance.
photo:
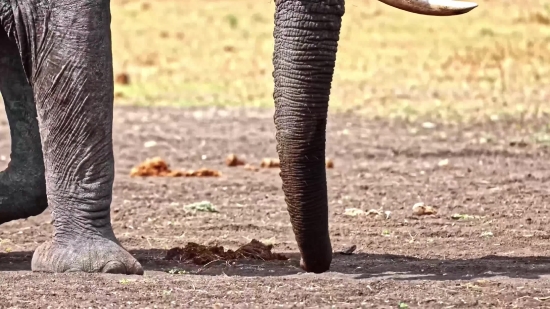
column 57, row 82
column 56, row 65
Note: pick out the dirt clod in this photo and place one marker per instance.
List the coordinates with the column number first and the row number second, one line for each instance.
column 349, row 251
column 420, row 209
column 145, row 6
column 329, row 163
column 232, row 160
column 122, row 79
column 249, row 167
column 201, row 255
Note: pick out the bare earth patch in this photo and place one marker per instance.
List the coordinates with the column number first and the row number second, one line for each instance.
column 484, row 243
column 487, row 245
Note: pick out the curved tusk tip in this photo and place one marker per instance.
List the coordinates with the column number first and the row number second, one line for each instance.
column 468, row 5
column 460, row 7
column 433, row 7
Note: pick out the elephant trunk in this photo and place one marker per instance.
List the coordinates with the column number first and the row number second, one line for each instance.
column 306, row 40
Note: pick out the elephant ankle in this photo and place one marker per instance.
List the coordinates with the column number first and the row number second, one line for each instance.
column 81, row 218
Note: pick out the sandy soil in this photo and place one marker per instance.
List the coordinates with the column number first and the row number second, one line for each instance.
column 496, row 256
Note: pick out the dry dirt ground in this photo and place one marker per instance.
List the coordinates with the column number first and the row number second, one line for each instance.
column 488, row 66
column 493, row 175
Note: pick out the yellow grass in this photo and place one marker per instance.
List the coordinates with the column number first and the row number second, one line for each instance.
column 491, row 63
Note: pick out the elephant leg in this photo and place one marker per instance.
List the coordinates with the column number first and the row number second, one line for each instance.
column 306, row 39
column 66, row 48
column 22, row 184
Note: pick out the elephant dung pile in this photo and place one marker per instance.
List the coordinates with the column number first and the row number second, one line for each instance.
column 157, row 167
column 232, row 160
column 201, row 255
column 270, row 163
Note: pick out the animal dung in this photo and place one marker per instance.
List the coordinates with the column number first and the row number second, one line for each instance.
column 203, row 172
column 270, row 163
column 232, row 160
column 153, row 167
column 157, row 167
column 202, row 255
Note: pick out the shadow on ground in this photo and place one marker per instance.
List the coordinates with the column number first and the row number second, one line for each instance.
column 358, row 266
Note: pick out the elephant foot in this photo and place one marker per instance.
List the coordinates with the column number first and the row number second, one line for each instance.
column 92, row 255
column 21, row 194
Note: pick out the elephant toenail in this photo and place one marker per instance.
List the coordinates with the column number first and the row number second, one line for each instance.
column 114, row 267
column 137, row 268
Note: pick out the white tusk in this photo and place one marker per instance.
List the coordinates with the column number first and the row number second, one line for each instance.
column 432, row 7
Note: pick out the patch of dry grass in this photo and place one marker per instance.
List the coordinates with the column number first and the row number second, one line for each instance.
column 488, row 64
